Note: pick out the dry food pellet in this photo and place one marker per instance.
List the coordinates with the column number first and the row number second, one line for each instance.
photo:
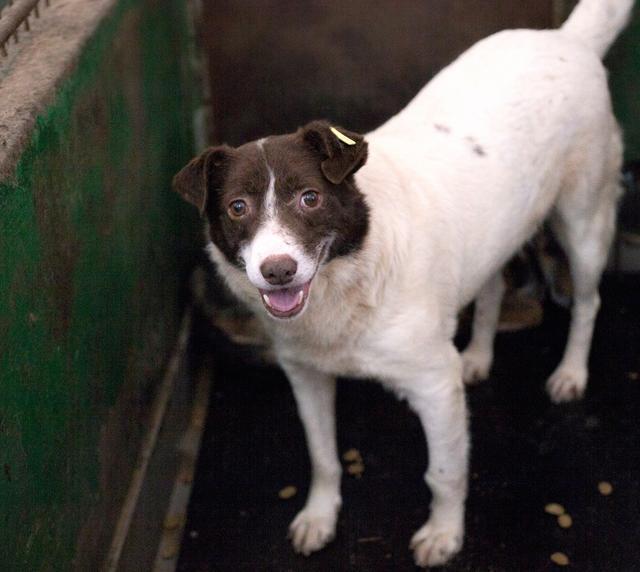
column 199, row 417
column 170, row 549
column 368, row 539
column 554, row 508
column 605, row 488
column 173, row 521
column 565, row 521
column 352, row 455
column 288, row 492
column 356, row 469
column 560, row 559
column 633, row 375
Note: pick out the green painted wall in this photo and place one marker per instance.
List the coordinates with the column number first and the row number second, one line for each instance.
column 91, row 254
column 624, row 64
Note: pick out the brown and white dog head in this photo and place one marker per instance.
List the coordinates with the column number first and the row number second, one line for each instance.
column 281, row 207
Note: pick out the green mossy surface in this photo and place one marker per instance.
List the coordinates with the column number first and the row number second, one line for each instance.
column 624, row 64
column 91, row 252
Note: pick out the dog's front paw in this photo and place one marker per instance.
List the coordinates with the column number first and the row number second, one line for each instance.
column 434, row 544
column 476, row 365
column 312, row 530
column 567, row 384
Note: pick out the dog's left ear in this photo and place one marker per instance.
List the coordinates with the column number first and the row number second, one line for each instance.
column 341, row 152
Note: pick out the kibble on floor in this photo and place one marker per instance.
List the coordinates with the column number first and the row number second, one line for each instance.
column 526, row 456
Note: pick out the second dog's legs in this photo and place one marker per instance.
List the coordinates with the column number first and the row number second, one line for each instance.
column 478, row 355
column 584, row 223
column 586, row 243
column 315, row 525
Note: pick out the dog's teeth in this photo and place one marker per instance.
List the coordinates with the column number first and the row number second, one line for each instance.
column 266, row 300
column 300, row 296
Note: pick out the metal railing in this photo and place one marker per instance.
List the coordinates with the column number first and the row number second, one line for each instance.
column 15, row 14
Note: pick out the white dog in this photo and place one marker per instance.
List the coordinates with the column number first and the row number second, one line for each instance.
column 358, row 252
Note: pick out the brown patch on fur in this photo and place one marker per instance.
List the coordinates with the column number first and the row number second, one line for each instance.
column 301, row 161
column 247, row 179
column 312, row 158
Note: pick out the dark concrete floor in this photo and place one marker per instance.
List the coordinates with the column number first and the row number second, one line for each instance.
column 526, row 452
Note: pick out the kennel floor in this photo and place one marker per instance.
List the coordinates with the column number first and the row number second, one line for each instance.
column 526, row 452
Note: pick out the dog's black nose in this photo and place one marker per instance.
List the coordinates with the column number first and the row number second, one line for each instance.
column 278, row 270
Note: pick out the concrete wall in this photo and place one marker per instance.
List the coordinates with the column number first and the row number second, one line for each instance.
column 276, row 64
column 92, row 249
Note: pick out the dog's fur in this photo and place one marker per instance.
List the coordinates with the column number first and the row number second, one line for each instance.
column 359, row 252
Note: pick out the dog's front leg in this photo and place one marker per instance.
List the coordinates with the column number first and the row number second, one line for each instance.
column 437, row 396
column 315, row 525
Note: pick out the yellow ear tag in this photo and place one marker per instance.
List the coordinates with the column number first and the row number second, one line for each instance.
column 342, row 137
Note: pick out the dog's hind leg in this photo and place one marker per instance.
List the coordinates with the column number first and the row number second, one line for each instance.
column 478, row 355
column 315, row 525
column 586, row 240
column 437, row 396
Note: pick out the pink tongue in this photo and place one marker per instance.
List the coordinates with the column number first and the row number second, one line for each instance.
column 285, row 299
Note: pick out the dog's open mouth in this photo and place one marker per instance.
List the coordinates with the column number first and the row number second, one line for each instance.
column 286, row 302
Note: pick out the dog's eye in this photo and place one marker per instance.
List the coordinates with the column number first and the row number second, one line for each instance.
column 238, row 208
column 310, row 199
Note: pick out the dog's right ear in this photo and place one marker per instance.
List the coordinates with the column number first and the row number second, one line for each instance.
column 202, row 175
column 341, row 152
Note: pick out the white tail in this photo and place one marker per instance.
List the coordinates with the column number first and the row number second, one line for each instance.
column 597, row 23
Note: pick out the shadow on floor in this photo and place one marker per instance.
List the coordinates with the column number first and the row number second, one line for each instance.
column 526, row 452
